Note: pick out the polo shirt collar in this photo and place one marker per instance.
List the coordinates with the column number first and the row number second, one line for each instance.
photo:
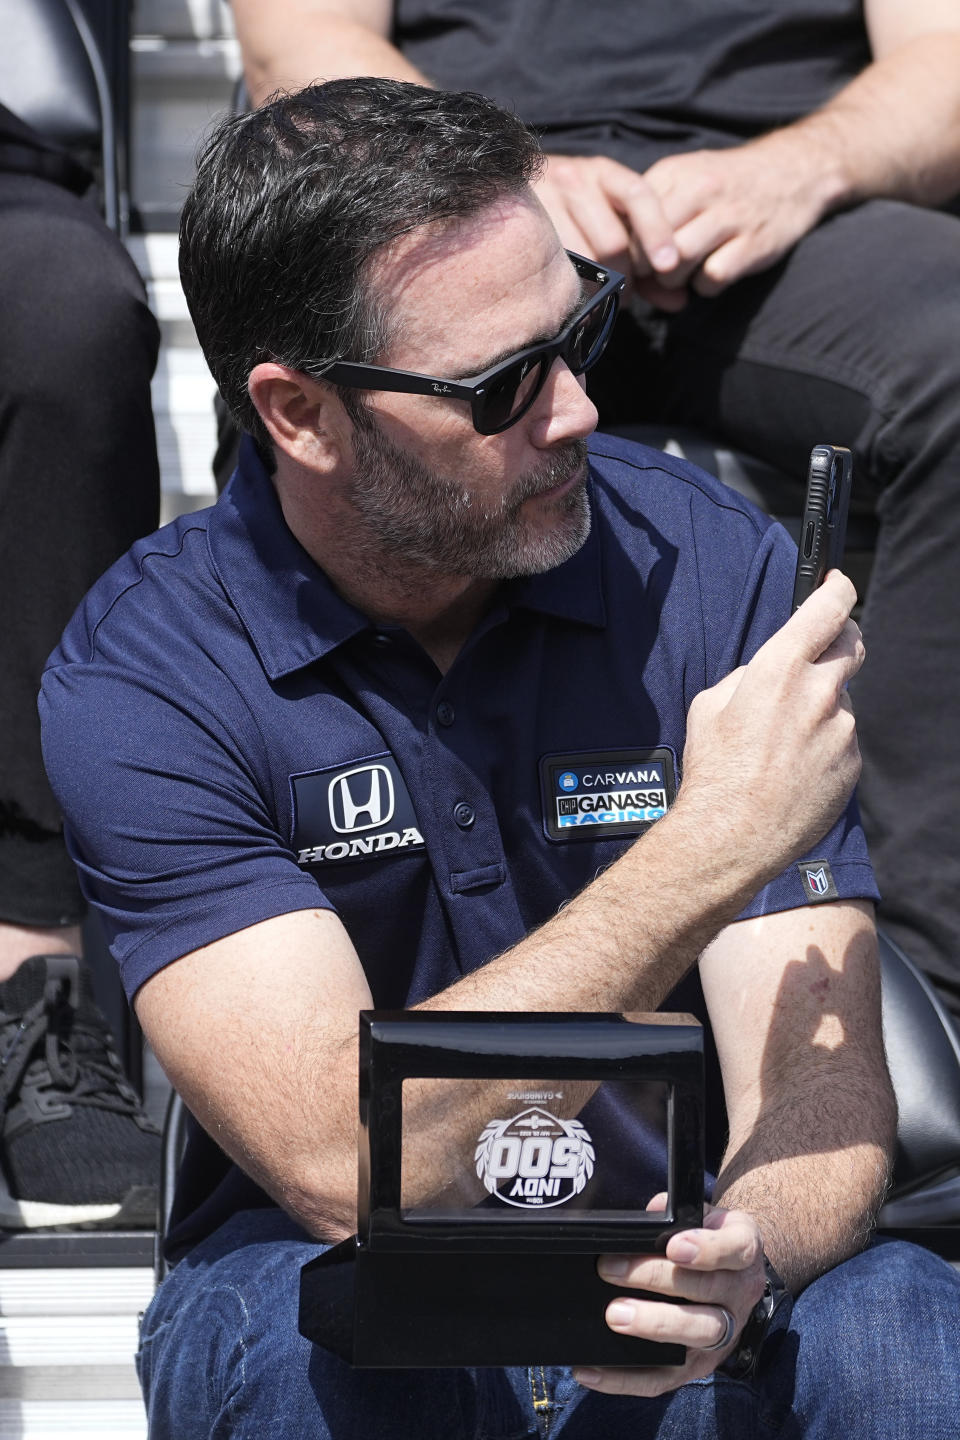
column 292, row 612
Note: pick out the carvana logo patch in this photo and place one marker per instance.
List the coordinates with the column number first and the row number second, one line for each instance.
column 602, row 792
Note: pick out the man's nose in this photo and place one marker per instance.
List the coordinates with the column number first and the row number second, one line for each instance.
column 563, row 410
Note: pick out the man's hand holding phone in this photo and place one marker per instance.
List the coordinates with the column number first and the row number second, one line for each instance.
column 771, row 756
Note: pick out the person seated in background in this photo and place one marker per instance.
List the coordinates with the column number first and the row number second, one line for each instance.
column 79, row 483
column 310, row 746
column 769, row 177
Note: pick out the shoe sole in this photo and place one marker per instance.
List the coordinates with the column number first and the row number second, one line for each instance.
column 137, row 1211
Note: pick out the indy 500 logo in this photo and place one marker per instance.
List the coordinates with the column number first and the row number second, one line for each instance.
column 534, row 1159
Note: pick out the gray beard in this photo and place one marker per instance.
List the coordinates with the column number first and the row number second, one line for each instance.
column 426, row 520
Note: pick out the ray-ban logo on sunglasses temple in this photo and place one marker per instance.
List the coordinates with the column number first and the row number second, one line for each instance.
column 498, row 397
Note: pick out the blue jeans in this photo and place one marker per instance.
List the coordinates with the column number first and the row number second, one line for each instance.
column 871, row 1352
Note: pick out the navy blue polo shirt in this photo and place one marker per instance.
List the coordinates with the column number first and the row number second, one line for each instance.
column 230, row 740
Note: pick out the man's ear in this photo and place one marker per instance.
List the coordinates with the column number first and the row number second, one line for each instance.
column 305, row 418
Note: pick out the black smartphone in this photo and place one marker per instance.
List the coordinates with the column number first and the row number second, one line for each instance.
column 824, row 529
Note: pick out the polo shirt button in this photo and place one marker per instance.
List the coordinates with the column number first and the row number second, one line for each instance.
column 382, row 641
column 464, row 815
column 446, row 713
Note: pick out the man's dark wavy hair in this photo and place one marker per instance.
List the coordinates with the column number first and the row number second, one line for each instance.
column 293, row 200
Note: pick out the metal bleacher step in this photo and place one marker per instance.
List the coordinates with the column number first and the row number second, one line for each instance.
column 72, row 1419
column 69, row 1313
column 184, row 65
column 183, row 388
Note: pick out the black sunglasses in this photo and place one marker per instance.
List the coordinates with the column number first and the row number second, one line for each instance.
column 501, row 395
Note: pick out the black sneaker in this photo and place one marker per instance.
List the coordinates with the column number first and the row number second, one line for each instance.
column 76, row 1147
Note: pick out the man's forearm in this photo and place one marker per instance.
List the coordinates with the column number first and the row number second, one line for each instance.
column 893, row 132
column 288, row 47
column 622, row 944
column 817, row 1208
column 631, row 935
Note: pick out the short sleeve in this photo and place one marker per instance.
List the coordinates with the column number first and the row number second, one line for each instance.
column 164, row 815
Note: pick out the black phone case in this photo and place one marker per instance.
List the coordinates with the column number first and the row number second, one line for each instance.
column 824, row 529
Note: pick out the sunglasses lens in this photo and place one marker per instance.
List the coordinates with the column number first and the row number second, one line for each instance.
column 509, row 394
column 513, row 388
column 588, row 340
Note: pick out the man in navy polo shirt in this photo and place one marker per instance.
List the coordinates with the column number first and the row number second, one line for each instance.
column 402, row 721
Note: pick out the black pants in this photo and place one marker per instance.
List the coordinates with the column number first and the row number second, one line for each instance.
column 855, row 340
column 78, row 484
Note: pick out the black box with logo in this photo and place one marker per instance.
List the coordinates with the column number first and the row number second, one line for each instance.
column 499, row 1155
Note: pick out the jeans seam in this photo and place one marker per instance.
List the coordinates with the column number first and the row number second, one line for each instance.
column 231, row 1399
column 540, row 1398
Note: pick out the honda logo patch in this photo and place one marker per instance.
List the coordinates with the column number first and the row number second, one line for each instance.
column 361, row 799
column 353, row 812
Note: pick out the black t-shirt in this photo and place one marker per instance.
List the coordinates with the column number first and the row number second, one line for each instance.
column 639, row 80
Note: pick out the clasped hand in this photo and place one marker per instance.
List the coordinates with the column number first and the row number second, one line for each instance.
column 696, row 221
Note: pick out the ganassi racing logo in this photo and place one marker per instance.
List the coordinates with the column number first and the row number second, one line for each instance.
column 534, row 1159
